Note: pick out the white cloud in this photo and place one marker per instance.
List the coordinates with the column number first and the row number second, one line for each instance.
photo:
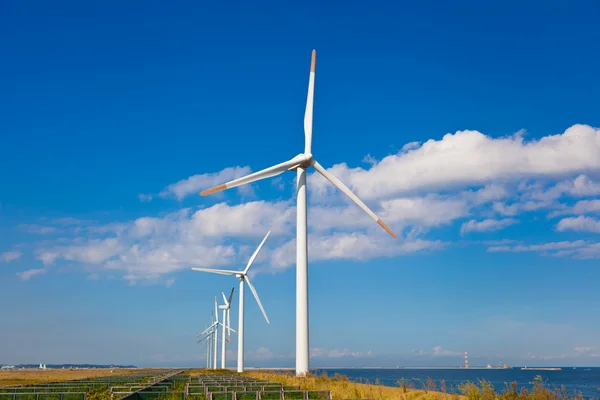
column 247, row 219
column 470, row 158
column 196, row 183
column 579, row 249
column 581, row 207
column 436, row 351
column 92, row 252
column 68, row 221
column 37, row 229
column 581, row 186
column 26, row 275
column 579, row 224
column 590, row 351
column 145, row 198
column 538, row 247
column 263, row 353
column 147, row 248
column 430, row 210
column 487, row 225
column 577, row 353
column 9, row 256
column 324, row 353
column 469, row 176
column 352, row 246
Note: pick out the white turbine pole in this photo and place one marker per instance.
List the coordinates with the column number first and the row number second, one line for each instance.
column 224, row 336
column 208, row 352
column 216, row 333
column 301, row 277
column 240, row 357
column 215, row 347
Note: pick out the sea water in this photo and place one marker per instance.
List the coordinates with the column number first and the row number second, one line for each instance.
column 581, row 379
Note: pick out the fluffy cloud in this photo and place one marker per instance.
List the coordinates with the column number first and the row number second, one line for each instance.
column 577, row 249
column 487, row 225
column 472, row 158
column 149, row 247
column 351, row 246
column 9, row 256
column 579, row 224
column 581, row 207
column 196, row 183
column 26, row 275
column 92, row 252
column 466, row 178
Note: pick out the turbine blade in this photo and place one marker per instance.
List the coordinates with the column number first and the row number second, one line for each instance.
column 231, row 329
column 204, row 338
column 207, row 329
column 265, row 173
column 216, row 310
column 308, row 114
column 224, row 299
column 257, row 299
column 256, row 253
column 217, row 271
column 337, row 183
column 230, row 297
column 229, row 325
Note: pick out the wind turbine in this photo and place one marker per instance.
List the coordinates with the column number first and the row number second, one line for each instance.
column 206, row 340
column 300, row 163
column 243, row 277
column 226, row 323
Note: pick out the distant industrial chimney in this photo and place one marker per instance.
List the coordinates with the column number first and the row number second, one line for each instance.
column 466, row 360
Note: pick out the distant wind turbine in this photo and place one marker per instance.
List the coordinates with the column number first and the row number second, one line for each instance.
column 226, row 323
column 300, row 163
column 213, row 329
column 243, row 276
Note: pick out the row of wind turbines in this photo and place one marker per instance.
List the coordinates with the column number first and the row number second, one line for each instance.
column 300, row 164
column 211, row 338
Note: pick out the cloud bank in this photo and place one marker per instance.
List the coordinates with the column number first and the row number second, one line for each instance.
column 465, row 183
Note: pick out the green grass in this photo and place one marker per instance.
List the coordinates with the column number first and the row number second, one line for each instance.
column 483, row 390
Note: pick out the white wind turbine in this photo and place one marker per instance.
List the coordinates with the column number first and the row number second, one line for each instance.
column 206, row 340
column 226, row 324
column 243, row 277
column 300, row 163
column 213, row 329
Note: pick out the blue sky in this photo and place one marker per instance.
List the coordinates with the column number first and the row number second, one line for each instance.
column 471, row 129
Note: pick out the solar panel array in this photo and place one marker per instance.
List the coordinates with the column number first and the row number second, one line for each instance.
column 237, row 387
column 100, row 388
column 163, row 385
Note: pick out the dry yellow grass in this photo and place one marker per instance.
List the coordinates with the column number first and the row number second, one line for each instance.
column 32, row 376
column 345, row 389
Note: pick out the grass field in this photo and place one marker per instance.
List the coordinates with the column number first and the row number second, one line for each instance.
column 32, row 376
column 342, row 388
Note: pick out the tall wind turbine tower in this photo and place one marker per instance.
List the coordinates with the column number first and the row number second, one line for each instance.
column 301, row 163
